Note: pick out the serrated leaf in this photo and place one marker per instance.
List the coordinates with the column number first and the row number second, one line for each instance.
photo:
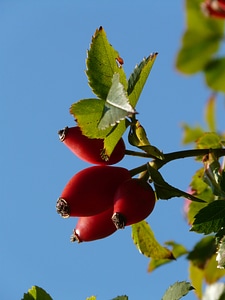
column 138, row 78
column 177, row 290
column 200, row 41
column 87, row 113
column 165, row 190
column 209, row 140
column 121, row 298
column 210, row 115
column 36, row 293
column 101, row 65
column 210, row 218
column 220, row 258
column 177, row 250
column 215, row 74
column 146, row 243
column 117, row 105
column 202, row 252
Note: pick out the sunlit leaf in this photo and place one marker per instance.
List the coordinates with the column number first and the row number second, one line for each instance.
column 120, row 298
column 209, row 140
column 202, row 252
column 87, row 113
column 197, row 278
column 220, row 258
column 177, row 250
column 146, row 243
column 117, row 105
column 91, row 298
column 210, row 218
column 36, row 293
column 210, row 116
column 215, row 74
column 211, row 273
column 191, row 134
column 102, row 64
column 138, row 78
column 177, row 290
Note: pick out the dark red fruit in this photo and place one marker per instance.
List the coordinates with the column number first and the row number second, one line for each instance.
column 134, row 200
column 214, row 8
column 91, row 191
column 90, row 150
column 94, row 227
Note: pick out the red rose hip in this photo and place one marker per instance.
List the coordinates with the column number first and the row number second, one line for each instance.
column 94, row 227
column 134, row 200
column 90, row 150
column 90, row 191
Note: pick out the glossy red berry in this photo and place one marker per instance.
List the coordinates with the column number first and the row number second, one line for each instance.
column 90, row 191
column 94, row 227
column 134, row 200
column 90, row 150
column 214, row 8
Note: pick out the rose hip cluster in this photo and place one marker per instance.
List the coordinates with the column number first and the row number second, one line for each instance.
column 103, row 197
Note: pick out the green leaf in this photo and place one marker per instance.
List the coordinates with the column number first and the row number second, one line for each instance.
column 202, row 252
column 112, row 139
column 102, row 64
column 191, row 134
column 36, row 293
column 215, row 74
column 88, row 113
column 146, row 243
column 121, row 298
column 177, row 250
column 210, row 115
column 138, row 78
column 220, row 258
column 177, row 290
column 165, row 190
column 117, row 105
column 210, row 218
column 200, row 41
column 209, row 140
column 212, row 174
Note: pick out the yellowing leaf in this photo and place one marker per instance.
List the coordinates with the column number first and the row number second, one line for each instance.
column 210, row 113
column 146, row 243
column 196, row 276
column 211, row 272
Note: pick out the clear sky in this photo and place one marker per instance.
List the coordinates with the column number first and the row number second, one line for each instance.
column 42, row 62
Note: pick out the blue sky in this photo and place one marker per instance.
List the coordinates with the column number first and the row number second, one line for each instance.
column 42, row 59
